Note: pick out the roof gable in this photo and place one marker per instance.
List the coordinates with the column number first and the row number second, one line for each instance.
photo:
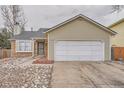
column 87, row 19
column 116, row 23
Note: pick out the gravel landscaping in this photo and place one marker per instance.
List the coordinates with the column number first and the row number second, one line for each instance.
column 25, row 76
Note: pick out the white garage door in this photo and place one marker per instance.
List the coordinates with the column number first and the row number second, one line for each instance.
column 79, row 51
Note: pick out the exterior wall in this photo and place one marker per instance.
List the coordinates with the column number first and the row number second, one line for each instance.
column 18, row 54
column 79, row 29
column 35, row 48
column 118, row 40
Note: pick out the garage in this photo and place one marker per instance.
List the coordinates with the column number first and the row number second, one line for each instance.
column 79, row 51
column 79, row 39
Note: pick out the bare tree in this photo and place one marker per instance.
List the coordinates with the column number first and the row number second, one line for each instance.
column 117, row 8
column 13, row 14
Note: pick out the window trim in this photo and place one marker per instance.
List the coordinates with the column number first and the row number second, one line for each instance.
column 22, row 50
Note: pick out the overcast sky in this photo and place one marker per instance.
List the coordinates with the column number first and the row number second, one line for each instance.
column 43, row 16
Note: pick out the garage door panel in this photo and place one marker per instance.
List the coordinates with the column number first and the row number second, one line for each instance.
column 78, row 48
column 84, row 57
column 61, row 52
column 95, row 58
column 96, row 46
column 72, row 57
column 79, row 51
column 58, row 43
column 95, row 53
column 59, row 48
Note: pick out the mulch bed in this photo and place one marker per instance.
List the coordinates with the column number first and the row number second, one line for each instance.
column 43, row 61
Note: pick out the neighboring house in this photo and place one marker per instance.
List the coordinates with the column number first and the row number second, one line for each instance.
column 76, row 39
column 118, row 40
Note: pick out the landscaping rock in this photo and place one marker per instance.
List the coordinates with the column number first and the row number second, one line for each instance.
column 29, row 76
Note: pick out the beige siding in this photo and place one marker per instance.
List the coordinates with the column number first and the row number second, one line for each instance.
column 78, row 29
column 118, row 40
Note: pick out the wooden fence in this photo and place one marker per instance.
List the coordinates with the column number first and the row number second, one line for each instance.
column 5, row 53
column 117, row 53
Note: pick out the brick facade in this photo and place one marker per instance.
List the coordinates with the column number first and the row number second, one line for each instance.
column 27, row 54
column 18, row 54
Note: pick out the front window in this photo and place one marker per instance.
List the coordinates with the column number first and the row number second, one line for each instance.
column 23, row 45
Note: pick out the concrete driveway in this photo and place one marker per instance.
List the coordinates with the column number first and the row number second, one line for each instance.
column 87, row 74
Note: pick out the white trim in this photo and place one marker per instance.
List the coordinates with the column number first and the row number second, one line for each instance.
column 103, row 51
column 48, row 46
column 23, row 51
column 55, row 47
column 110, row 46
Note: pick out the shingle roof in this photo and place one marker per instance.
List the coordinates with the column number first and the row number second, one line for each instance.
column 27, row 35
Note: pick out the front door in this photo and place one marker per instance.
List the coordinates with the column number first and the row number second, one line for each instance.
column 40, row 48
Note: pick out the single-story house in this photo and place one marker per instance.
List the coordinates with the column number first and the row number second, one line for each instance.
column 76, row 39
column 118, row 40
